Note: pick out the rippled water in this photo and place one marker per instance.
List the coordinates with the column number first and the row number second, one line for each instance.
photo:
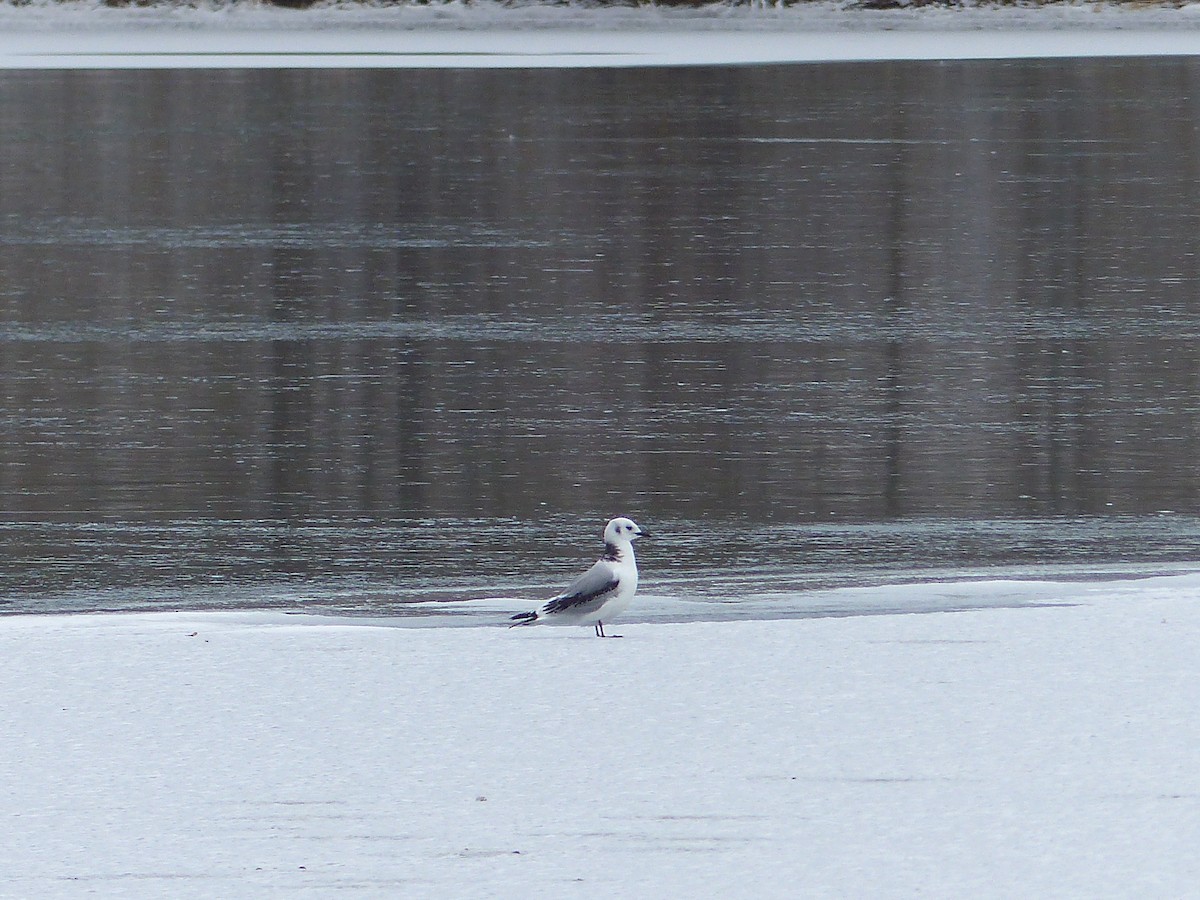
column 345, row 339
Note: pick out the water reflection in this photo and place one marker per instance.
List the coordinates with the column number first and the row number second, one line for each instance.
column 330, row 328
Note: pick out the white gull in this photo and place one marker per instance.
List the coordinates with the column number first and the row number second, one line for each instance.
column 602, row 592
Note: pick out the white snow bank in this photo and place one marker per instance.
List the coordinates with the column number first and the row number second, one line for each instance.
column 488, row 35
column 1045, row 751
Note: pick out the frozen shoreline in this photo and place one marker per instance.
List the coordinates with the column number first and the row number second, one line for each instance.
column 828, row 15
column 484, row 35
column 997, row 752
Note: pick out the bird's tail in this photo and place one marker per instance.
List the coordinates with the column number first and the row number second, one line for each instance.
column 525, row 618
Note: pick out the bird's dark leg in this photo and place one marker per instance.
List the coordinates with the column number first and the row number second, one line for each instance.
column 599, row 628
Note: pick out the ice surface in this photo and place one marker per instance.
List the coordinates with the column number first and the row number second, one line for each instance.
column 1048, row 750
column 494, row 35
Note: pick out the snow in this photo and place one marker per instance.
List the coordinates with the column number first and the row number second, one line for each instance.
column 494, row 35
column 1043, row 748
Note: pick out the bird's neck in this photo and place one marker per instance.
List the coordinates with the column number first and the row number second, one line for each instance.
column 618, row 552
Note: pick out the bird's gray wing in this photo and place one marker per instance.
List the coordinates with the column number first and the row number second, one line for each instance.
column 587, row 592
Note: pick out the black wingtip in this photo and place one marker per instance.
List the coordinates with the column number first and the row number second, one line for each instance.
column 525, row 618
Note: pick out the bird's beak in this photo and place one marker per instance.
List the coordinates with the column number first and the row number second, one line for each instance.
column 643, row 534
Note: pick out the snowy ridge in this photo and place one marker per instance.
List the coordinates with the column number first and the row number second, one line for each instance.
column 833, row 15
column 496, row 35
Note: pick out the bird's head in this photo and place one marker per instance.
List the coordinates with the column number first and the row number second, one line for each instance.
column 621, row 530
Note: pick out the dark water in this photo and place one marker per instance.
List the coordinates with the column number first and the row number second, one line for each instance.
column 351, row 338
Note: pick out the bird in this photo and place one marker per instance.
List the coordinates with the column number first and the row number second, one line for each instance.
column 602, row 592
